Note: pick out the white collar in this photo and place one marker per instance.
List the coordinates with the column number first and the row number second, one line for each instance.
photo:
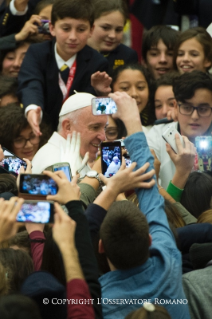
column 61, row 62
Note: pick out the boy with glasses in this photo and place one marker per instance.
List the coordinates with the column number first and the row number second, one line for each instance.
column 193, row 93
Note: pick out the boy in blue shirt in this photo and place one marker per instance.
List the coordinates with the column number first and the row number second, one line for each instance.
column 53, row 70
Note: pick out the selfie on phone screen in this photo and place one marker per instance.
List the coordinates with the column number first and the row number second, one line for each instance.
column 37, row 185
column 103, row 105
column 111, row 158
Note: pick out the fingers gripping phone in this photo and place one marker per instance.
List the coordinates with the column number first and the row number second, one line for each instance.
column 103, row 105
column 111, row 158
column 65, row 167
column 37, row 185
column 169, row 136
column 204, row 151
column 33, row 211
column 12, row 163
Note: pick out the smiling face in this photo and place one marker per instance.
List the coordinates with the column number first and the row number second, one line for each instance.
column 12, row 62
column 193, row 125
column 29, row 150
column 92, row 130
column 108, row 32
column 159, row 59
column 134, row 84
column 191, row 57
column 164, row 101
column 71, row 35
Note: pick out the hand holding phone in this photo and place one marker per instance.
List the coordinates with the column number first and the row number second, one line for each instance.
column 67, row 191
column 169, row 136
column 65, row 167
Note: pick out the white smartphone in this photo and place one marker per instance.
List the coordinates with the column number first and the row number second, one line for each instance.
column 169, row 136
column 103, row 105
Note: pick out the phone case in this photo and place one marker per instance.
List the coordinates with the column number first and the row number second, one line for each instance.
column 169, row 136
column 204, row 151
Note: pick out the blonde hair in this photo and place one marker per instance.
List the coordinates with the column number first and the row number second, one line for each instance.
column 205, row 217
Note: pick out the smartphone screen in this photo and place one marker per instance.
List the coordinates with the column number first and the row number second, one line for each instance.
column 36, row 212
column 127, row 160
column 103, row 105
column 65, row 169
column 111, row 158
column 35, row 184
column 12, row 163
column 204, row 151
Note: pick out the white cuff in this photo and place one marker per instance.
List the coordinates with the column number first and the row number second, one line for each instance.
column 33, row 107
column 14, row 11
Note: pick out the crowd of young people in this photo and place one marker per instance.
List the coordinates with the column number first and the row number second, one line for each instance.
column 141, row 246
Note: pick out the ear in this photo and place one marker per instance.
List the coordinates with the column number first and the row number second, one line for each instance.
column 101, row 247
column 51, row 29
column 150, row 240
column 207, row 64
column 66, row 127
column 175, row 104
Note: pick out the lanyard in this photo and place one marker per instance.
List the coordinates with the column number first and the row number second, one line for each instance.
column 66, row 88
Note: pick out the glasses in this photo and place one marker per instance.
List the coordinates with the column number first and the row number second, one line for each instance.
column 111, row 133
column 187, row 109
column 21, row 141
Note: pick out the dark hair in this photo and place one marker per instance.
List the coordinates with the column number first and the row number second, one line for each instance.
column 21, row 239
column 125, row 235
column 42, row 4
column 52, row 260
column 12, row 122
column 75, row 9
column 19, row 266
column 156, row 33
column 18, row 307
column 201, row 35
column 141, row 313
column 166, row 79
column 196, row 196
column 103, row 7
column 185, row 85
column 8, row 86
column 147, row 115
column 8, row 184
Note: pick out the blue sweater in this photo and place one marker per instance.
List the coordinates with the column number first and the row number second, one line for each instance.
column 159, row 279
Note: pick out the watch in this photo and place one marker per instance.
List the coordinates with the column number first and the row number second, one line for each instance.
column 94, row 174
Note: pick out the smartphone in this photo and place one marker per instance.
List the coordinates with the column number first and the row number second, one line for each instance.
column 37, row 184
column 204, row 151
column 33, row 211
column 111, row 158
column 12, row 163
column 103, row 105
column 65, row 167
column 169, row 136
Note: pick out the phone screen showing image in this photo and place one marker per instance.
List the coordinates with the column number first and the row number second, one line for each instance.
column 204, row 151
column 103, row 105
column 111, row 158
column 12, row 163
column 65, row 169
column 36, row 212
column 37, row 185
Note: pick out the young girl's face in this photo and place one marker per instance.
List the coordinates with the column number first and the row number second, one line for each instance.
column 191, row 57
column 108, row 32
column 133, row 82
column 164, row 101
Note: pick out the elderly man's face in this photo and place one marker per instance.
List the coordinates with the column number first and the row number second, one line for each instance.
column 92, row 129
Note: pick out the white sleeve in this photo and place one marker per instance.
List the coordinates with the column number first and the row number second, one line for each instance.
column 14, row 11
column 32, row 107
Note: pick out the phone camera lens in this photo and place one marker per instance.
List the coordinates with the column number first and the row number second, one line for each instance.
column 170, row 133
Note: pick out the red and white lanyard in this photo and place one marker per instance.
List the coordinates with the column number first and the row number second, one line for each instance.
column 66, row 88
